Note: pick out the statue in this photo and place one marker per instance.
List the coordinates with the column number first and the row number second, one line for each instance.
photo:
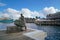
column 20, row 23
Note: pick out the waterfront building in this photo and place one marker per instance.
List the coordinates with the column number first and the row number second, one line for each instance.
column 51, row 19
column 55, row 16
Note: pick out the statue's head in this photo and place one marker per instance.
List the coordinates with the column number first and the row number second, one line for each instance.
column 21, row 14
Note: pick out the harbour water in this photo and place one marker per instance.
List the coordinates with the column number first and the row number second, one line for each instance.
column 3, row 26
column 53, row 32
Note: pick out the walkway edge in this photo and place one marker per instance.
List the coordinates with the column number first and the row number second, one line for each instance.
column 36, row 34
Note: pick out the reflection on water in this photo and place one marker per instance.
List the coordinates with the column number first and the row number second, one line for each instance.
column 4, row 25
column 53, row 32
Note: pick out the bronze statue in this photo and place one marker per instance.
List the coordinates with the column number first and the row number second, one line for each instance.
column 20, row 23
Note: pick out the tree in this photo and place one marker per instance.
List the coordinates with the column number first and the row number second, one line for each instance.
column 37, row 17
column 20, row 23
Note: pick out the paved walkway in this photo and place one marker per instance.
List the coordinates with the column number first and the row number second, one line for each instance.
column 30, row 34
column 14, row 36
column 36, row 34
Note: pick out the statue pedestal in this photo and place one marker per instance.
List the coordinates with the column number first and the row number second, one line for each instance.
column 11, row 29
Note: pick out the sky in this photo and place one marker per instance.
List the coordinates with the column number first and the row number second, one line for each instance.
column 29, row 8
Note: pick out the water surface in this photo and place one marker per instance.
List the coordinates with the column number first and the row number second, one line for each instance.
column 53, row 32
column 3, row 26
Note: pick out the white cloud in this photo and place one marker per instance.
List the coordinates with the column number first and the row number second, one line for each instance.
column 28, row 13
column 5, row 15
column 15, row 14
column 35, row 13
column 50, row 10
column 10, row 10
column 2, row 4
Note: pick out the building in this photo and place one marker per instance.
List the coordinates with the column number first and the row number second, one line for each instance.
column 55, row 16
column 51, row 19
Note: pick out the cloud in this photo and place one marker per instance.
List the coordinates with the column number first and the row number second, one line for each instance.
column 35, row 13
column 10, row 10
column 50, row 10
column 15, row 14
column 5, row 15
column 2, row 4
column 28, row 13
